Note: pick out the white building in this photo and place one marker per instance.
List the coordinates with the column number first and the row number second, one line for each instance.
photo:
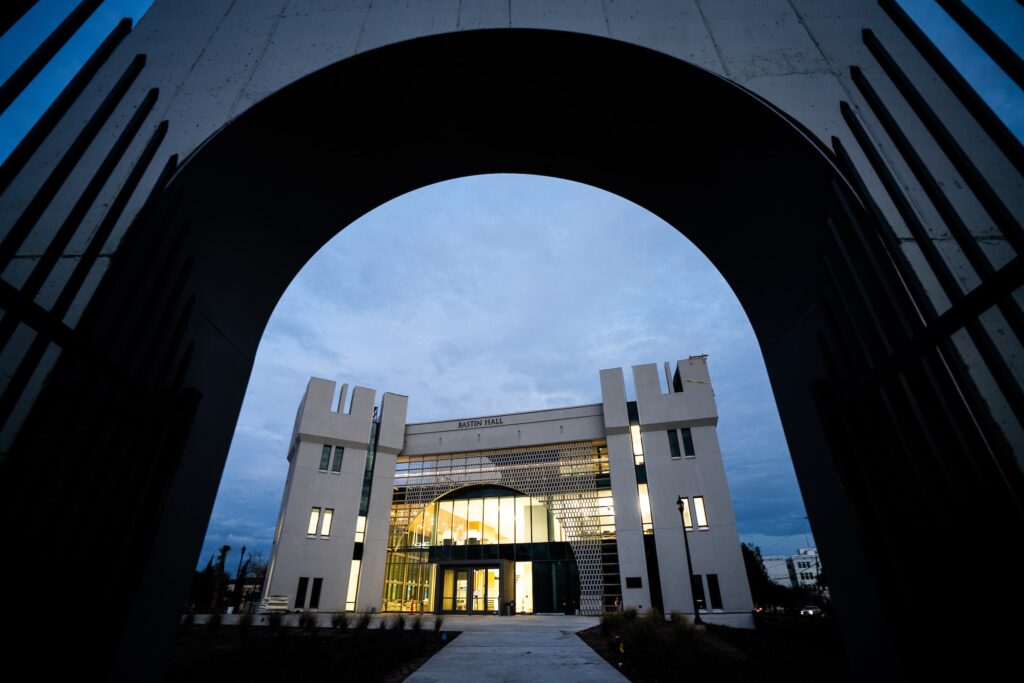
column 561, row 510
column 795, row 571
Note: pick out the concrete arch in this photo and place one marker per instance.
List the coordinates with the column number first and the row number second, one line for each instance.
column 177, row 320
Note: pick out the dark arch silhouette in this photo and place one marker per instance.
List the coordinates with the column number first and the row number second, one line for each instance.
column 168, row 343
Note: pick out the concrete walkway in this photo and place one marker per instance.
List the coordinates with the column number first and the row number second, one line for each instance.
column 521, row 648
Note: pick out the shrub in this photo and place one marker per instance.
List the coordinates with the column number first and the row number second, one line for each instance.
column 363, row 622
column 186, row 622
column 307, row 621
column 612, row 622
column 274, row 621
column 398, row 623
column 629, row 614
column 214, row 621
column 438, row 623
column 244, row 623
column 339, row 621
column 417, row 625
column 681, row 625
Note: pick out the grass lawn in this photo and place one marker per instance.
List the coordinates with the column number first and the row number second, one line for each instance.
column 647, row 649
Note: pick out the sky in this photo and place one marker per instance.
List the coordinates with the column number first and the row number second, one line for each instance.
column 502, row 293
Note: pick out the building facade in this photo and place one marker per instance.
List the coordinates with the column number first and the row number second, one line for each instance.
column 795, row 571
column 567, row 510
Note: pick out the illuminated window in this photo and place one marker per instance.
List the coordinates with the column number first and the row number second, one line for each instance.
column 325, row 529
column 645, row 509
column 325, row 458
column 638, row 446
column 353, row 586
column 314, row 520
column 336, row 465
column 360, row 529
column 698, row 507
column 686, row 513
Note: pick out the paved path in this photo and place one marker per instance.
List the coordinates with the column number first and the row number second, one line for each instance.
column 521, row 648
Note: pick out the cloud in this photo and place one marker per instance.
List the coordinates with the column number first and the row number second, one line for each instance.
column 495, row 294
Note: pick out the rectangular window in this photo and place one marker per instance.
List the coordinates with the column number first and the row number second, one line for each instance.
column 698, row 507
column 686, row 513
column 314, row 596
column 688, row 443
column 507, row 521
column 353, row 586
column 673, row 444
column 698, row 592
column 325, row 458
column 300, row 592
column 634, row 582
column 314, row 521
column 638, row 445
column 645, row 509
column 360, row 529
column 338, row 453
column 715, row 593
column 325, row 529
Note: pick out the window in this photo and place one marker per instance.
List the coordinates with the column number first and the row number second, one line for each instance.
column 314, row 597
column 634, row 582
column 645, row 509
column 686, row 513
column 353, row 586
column 300, row 592
column 715, row 593
column 314, row 521
column 336, row 465
column 698, row 592
column 673, row 444
column 360, row 529
column 688, row 443
column 638, row 445
column 325, row 458
column 325, row 529
column 698, row 507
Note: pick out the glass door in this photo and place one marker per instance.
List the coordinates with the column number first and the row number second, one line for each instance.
column 479, row 589
column 461, row 590
column 471, row 590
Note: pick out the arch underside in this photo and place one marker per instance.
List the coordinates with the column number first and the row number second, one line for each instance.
column 166, row 347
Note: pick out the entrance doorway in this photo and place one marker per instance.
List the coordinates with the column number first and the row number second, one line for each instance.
column 471, row 590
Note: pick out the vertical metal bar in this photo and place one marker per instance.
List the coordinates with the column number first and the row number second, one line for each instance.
column 31, row 67
column 968, row 242
column 992, row 124
column 106, row 227
column 17, row 159
column 988, row 198
column 1001, row 53
column 11, row 11
column 73, row 221
column 24, row 224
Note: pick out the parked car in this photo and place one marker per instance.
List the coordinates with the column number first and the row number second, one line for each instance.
column 810, row 611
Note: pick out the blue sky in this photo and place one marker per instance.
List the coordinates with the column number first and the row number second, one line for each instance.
column 502, row 293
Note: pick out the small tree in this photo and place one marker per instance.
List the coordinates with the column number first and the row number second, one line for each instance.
column 761, row 587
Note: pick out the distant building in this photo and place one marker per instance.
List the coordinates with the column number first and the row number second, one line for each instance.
column 565, row 510
column 794, row 571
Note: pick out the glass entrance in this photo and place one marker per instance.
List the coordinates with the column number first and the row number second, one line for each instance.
column 471, row 590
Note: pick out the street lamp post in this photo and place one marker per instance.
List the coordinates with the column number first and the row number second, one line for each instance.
column 689, row 567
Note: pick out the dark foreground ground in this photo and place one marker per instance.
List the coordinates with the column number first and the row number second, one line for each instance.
column 648, row 649
column 229, row 653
